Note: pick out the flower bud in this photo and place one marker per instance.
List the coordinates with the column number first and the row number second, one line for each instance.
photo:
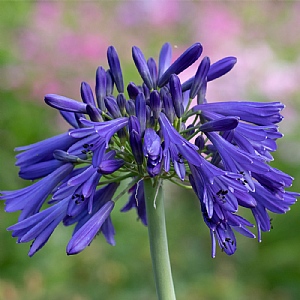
column 155, row 103
column 115, row 67
column 109, row 83
column 100, row 89
column 141, row 65
column 165, row 57
column 64, row 103
column 140, row 111
column 94, row 113
column 181, row 63
column 216, row 70
column 87, row 94
column 168, row 107
column 221, row 67
column 221, row 124
column 136, row 146
column 112, row 107
column 145, row 91
column 200, row 77
column 176, row 93
column 130, row 107
column 65, row 156
column 121, row 101
column 200, row 142
column 153, row 71
column 133, row 90
column 134, row 124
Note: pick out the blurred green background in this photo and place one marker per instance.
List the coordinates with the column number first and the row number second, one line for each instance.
column 50, row 47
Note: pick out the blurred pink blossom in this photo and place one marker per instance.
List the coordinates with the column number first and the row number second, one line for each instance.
column 64, row 43
column 160, row 13
column 217, row 27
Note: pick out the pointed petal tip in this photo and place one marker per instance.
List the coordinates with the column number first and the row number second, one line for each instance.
column 186, row 59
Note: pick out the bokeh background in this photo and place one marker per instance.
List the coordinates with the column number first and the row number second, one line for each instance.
column 50, row 47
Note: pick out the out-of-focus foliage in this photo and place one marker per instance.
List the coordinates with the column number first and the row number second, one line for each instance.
column 50, row 47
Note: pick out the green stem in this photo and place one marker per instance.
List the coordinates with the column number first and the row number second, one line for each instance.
column 181, row 184
column 158, row 241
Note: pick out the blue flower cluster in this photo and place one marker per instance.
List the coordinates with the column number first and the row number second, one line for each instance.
column 220, row 150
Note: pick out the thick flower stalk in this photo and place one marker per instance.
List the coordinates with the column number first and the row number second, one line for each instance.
column 152, row 133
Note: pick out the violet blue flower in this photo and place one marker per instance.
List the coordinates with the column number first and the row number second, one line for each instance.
column 84, row 236
column 221, row 150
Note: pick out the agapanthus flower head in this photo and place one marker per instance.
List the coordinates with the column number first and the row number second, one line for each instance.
column 151, row 129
